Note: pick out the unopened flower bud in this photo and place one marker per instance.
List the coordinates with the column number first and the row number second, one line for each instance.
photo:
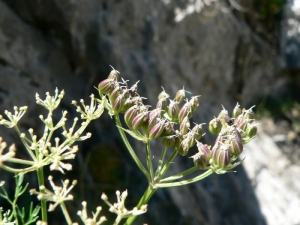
column 114, row 74
column 170, row 141
column 169, row 129
column 201, row 159
column 197, row 131
column 157, row 129
column 139, row 120
column 236, row 111
column 114, row 95
column 221, row 155
column 162, row 104
column 173, row 110
column 248, row 115
column 130, row 114
column 251, row 130
column 180, row 95
column 106, row 86
column 235, row 145
column 185, row 111
column 119, row 103
column 153, row 116
column 215, row 126
column 163, row 94
column 194, row 103
column 184, row 125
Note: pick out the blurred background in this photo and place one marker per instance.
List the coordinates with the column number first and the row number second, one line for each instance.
column 227, row 51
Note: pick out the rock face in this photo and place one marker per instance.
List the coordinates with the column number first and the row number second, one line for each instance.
column 69, row 44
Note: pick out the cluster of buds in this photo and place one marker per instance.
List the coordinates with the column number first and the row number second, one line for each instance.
column 232, row 133
column 160, row 122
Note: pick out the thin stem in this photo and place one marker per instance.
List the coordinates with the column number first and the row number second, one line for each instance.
column 180, row 175
column 130, row 149
column 40, row 175
column 14, row 170
column 167, row 165
column 145, row 198
column 160, row 162
column 21, row 161
column 65, row 212
column 185, row 182
column 149, row 160
column 25, row 144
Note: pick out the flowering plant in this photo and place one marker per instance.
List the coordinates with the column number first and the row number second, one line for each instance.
column 168, row 122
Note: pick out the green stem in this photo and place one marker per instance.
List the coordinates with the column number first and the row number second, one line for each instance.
column 66, row 214
column 185, row 182
column 130, row 149
column 149, row 160
column 40, row 175
column 145, row 198
column 160, row 162
column 180, row 175
column 167, row 165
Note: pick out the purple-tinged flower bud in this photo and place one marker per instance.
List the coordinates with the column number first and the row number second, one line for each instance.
column 180, row 95
column 114, row 74
column 185, row 111
column 119, row 103
column 197, row 131
column 163, row 94
column 221, row 155
column 139, row 120
column 215, row 126
column 157, row 129
column 240, row 123
column 251, row 130
column 201, row 159
column 130, row 114
column 114, row 95
column 184, row 125
column 224, row 118
column 235, row 145
column 173, row 110
column 162, row 104
column 236, row 111
column 153, row 116
column 107, row 86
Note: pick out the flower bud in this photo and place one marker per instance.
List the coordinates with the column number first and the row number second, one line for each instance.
column 248, row 115
column 235, row 145
column 162, row 104
column 197, row 131
column 153, row 116
column 173, row 110
column 180, row 95
column 185, row 111
column 114, row 74
column 170, row 141
column 106, row 86
column 194, row 103
column 119, row 103
column 169, row 129
column 215, row 126
column 130, row 114
column 139, row 120
column 221, row 155
column 236, row 111
column 157, row 129
column 251, row 130
column 163, row 94
column 114, row 95
column 184, row 125
column 201, row 159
